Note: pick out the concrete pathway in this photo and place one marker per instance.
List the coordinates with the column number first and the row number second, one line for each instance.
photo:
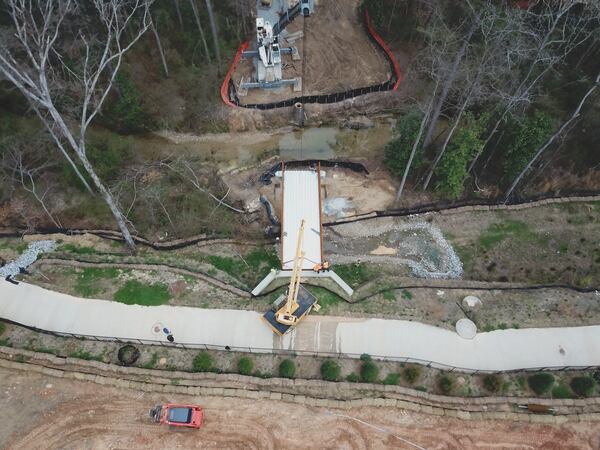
column 498, row 350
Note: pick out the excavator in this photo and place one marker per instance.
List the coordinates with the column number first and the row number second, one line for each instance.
column 297, row 302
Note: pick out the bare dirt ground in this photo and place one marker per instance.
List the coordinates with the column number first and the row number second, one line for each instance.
column 50, row 413
column 329, row 66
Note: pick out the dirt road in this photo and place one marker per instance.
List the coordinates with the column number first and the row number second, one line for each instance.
column 49, row 413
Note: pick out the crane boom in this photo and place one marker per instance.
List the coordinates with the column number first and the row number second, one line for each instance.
column 284, row 315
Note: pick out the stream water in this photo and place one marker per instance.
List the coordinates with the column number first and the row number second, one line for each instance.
column 230, row 150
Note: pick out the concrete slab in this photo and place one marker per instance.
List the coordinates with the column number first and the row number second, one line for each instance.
column 301, row 201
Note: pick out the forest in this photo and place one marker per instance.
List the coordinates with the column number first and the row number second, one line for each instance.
column 499, row 100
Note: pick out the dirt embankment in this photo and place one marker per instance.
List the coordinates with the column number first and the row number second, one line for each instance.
column 52, row 413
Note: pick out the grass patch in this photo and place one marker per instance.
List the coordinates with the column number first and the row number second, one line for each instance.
column 466, row 254
column 2, row 328
column 492, row 383
column 325, row 298
column 249, row 270
column 411, row 373
column 71, row 248
column 407, row 295
column 392, row 379
column 498, row 232
column 203, row 362
column 353, row 274
column 136, row 293
column 87, row 283
column 153, row 360
column 389, row 296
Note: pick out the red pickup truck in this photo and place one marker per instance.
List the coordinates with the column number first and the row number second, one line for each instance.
column 190, row 416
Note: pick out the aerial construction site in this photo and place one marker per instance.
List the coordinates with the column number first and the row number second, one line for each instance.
column 327, row 224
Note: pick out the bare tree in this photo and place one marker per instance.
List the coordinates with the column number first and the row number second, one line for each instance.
column 33, row 61
column 27, row 169
column 201, row 30
column 183, row 168
column 415, row 146
column 159, row 46
column 449, row 77
column 215, row 34
column 178, row 11
column 550, row 35
column 552, row 138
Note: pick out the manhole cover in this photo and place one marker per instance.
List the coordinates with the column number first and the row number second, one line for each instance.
column 157, row 328
column 466, row 329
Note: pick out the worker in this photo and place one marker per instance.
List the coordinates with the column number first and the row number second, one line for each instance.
column 321, row 267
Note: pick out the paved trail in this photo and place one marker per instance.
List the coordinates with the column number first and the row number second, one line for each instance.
column 34, row 306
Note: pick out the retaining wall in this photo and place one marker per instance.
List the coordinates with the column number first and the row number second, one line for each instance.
column 319, row 393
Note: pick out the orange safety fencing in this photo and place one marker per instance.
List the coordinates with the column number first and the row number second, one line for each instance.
column 225, row 85
column 385, row 48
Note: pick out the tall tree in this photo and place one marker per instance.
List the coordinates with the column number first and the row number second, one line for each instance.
column 551, row 33
column 215, row 34
column 201, row 30
column 553, row 138
column 33, row 57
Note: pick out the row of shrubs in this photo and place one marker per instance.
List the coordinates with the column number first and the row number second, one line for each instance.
column 540, row 383
column 203, row 362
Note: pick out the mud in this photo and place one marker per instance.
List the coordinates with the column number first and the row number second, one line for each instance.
column 50, row 413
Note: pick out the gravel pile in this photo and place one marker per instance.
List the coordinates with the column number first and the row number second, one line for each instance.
column 27, row 258
column 420, row 245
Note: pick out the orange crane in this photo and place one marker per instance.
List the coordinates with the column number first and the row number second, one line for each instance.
column 297, row 302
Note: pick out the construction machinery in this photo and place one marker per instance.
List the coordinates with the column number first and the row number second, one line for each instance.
column 175, row 415
column 290, row 308
column 272, row 18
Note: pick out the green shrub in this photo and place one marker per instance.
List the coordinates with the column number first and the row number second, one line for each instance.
column 392, row 378
column 352, row 378
column 562, row 391
column 397, row 151
column 527, row 137
column 445, row 384
column 451, row 172
column 2, row 328
column 203, row 362
column 492, row 383
column 245, row 365
column 583, row 386
column 127, row 114
column 540, row 383
column 411, row 373
column 330, row 370
column 365, row 357
column 369, row 372
column 287, row 369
